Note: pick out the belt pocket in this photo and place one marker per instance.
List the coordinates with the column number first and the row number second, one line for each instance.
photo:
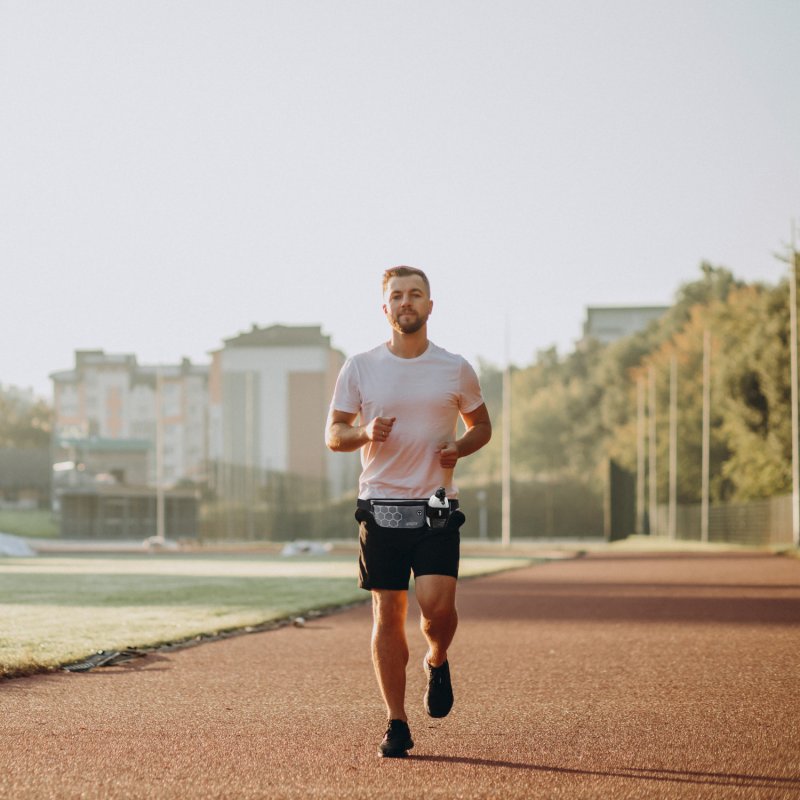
column 388, row 515
column 455, row 520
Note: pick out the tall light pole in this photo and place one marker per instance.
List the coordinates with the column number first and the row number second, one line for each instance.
column 640, row 455
column 249, row 470
column 653, row 513
column 160, row 515
column 795, row 264
column 506, row 447
column 706, row 465
column 673, row 447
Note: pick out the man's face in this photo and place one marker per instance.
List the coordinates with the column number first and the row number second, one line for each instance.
column 406, row 303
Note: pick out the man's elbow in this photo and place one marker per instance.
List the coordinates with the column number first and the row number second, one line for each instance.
column 337, row 440
column 332, row 441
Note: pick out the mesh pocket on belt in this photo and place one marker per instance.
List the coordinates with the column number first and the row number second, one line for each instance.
column 398, row 516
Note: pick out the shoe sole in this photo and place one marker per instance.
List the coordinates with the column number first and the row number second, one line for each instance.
column 393, row 754
column 400, row 752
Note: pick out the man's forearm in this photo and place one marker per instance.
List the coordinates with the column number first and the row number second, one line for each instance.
column 474, row 438
column 344, row 438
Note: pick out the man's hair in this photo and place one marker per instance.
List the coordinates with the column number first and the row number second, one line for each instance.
column 405, row 272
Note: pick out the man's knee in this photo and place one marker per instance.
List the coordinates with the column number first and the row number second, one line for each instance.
column 439, row 614
column 436, row 596
column 389, row 608
column 439, row 610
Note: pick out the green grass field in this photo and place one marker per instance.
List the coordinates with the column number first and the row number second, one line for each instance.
column 58, row 609
column 36, row 523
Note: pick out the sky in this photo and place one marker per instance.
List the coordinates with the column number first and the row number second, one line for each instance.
column 173, row 172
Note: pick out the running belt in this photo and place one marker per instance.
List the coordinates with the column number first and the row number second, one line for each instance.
column 399, row 513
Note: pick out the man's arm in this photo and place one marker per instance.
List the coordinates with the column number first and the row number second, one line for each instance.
column 342, row 435
column 477, row 434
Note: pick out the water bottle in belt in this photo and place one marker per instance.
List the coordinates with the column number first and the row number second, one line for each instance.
column 438, row 509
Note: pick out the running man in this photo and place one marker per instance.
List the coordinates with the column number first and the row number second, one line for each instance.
column 399, row 404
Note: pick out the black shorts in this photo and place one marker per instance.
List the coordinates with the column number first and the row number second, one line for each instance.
column 388, row 556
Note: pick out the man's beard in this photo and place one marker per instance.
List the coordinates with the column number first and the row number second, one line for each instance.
column 408, row 327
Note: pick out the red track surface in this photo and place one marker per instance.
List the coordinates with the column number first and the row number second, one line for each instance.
column 674, row 676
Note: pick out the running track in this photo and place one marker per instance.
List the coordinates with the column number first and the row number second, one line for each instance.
column 625, row 676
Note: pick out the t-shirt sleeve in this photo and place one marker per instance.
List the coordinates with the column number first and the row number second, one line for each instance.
column 471, row 396
column 346, row 395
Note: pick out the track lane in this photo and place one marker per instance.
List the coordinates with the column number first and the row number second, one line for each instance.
column 671, row 675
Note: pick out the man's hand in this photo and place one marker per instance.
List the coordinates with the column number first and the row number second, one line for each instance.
column 448, row 454
column 342, row 435
column 379, row 429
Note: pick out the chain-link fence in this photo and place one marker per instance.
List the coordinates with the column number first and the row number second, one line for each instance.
column 758, row 522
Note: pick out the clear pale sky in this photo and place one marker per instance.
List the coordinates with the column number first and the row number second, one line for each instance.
column 173, row 172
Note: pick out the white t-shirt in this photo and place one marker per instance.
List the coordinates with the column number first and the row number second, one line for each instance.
column 426, row 395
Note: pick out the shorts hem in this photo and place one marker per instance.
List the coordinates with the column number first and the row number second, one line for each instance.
column 436, row 572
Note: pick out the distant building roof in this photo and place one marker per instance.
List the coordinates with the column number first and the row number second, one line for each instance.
column 96, row 357
column 608, row 323
column 65, row 376
column 281, row 336
column 139, row 373
column 149, row 372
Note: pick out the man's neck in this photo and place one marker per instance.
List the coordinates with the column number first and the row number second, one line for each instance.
column 408, row 345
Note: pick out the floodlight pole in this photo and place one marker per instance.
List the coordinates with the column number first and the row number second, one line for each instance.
column 249, row 479
column 506, row 448
column 652, row 452
column 673, row 447
column 706, row 465
column 160, row 537
column 794, row 265
column 640, row 455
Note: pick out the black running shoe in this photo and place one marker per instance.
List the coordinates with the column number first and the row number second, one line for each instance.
column 397, row 740
column 439, row 694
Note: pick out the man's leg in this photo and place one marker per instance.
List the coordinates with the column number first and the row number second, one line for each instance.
column 436, row 595
column 390, row 648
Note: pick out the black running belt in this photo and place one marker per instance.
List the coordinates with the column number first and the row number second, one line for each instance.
column 399, row 513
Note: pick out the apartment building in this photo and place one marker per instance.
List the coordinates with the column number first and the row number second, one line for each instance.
column 105, row 417
column 258, row 409
column 606, row 324
column 269, row 391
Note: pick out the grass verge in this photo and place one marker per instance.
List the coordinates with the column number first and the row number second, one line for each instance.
column 55, row 610
column 35, row 524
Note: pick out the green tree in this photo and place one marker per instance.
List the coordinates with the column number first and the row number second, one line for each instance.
column 24, row 425
column 756, row 393
column 571, row 413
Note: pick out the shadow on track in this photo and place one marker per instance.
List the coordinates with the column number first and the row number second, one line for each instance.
column 635, row 773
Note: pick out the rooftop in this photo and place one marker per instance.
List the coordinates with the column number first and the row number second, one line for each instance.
column 281, row 336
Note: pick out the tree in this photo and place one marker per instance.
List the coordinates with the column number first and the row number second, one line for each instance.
column 570, row 414
column 24, row 425
column 756, row 393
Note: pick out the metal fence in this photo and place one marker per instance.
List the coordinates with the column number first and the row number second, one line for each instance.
column 758, row 522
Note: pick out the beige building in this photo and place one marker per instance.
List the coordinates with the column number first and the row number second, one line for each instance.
column 105, row 417
column 269, row 391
